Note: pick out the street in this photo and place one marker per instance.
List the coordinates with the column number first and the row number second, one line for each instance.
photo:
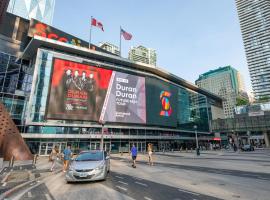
column 213, row 175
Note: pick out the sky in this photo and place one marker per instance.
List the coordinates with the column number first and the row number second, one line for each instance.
column 190, row 37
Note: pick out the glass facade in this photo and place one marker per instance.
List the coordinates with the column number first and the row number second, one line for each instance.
column 41, row 10
column 15, row 86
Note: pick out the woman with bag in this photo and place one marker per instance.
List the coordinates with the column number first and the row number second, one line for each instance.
column 53, row 157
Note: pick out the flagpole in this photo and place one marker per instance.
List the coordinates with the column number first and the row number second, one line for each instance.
column 90, row 35
column 120, row 42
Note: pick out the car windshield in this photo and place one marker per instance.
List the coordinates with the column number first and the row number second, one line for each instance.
column 90, row 156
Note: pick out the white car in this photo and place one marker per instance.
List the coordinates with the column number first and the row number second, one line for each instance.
column 89, row 166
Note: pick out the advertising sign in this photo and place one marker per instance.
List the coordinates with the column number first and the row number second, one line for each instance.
column 161, row 103
column 77, row 91
column 83, row 92
column 125, row 101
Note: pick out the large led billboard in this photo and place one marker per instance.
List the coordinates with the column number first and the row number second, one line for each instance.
column 125, row 101
column 161, row 103
column 77, row 91
column 84, row 92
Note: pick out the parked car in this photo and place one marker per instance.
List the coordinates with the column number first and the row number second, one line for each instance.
column 89, row 166
column 247, row 147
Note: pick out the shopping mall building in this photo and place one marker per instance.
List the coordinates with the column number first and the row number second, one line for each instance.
column 59, row 92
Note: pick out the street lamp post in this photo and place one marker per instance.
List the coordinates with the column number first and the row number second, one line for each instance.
column 102, row 135
column 197, row 142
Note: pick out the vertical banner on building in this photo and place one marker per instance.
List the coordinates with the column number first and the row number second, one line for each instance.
column 126, row 100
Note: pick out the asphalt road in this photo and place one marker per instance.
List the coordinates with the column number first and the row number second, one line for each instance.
column 133, row 187
column 174, row 176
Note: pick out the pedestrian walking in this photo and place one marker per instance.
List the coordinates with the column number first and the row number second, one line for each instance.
column 54, row 155
column 134, row 155
column 67, row 156
column 150, row 154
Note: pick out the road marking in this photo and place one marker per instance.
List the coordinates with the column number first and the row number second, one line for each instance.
column 143, row 184
column 4, row 184
column 121, row 188
column 48, row 197
column 30, row 194
column 181, row 190
column 119, row 177
column 123, row 182
column 147, row 198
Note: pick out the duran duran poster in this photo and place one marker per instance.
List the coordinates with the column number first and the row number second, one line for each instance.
column 125, row 101
column 84, row 92
column 77, row 91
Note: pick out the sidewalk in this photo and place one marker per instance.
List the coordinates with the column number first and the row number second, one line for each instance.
column 24, row 173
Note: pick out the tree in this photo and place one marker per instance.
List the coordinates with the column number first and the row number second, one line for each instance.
column 241, row 101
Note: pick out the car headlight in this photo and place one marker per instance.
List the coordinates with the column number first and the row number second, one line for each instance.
column 71, row 168
column 100, row 167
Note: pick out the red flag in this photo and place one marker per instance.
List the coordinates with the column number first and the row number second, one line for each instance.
column 126, row 35
column 96, row 23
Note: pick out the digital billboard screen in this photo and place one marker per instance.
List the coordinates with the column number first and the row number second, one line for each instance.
column 77, row 91
column 161, row 103
column 126, row 99
column 83, row 92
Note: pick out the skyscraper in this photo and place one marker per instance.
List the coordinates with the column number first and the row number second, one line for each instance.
column 41, row 10
column 225, row 82
column 3, row 8
column 254, row 16
column 143, row 54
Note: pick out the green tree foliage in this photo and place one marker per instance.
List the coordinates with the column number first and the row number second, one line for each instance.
column 241, row 101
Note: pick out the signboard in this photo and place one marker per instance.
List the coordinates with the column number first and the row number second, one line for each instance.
column 84, row 92
column 161, row 102
column 126, row 99
column 77, row 91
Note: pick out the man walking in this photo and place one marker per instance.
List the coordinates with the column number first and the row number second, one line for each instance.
column 134, row 155
column 67, row 156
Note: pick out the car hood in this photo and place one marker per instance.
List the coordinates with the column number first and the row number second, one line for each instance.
column 80, row 165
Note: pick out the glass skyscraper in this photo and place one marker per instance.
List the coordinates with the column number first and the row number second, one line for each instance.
column 41, row 10
column 254, row 16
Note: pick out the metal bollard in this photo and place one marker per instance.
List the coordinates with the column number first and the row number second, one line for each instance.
column 11, row 162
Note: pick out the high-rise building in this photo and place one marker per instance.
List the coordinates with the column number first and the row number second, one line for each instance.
column 41, row 10
column 254, row 16
column 3, row 8
column 110, row 47
column 227, row 83
column 143, row 55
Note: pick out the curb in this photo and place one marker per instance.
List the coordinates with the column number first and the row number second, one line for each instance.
column 16, row 188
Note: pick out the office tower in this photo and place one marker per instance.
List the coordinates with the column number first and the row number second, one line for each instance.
column 3, row 8
column 41, row 10
column 254, row 16
column 110, row 47
column 225, row 82
column 143, row 54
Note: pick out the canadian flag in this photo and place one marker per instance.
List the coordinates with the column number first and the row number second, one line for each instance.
column 96, row 23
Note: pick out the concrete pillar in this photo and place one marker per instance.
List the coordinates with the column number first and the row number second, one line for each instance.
column 266, row 139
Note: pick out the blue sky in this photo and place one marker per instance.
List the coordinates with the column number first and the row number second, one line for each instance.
column 190, row 36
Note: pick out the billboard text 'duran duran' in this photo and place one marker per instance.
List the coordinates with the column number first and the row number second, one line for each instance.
column 125, row 100
column 81, row 92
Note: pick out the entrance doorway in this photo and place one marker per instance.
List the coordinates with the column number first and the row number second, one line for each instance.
column 141, row 146
column 45, row 148
column 96, row 146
